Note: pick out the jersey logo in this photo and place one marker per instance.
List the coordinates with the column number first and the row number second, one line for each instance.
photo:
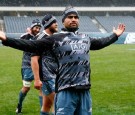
column 79, row 46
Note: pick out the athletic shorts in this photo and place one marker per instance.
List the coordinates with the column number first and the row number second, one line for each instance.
column 69, row 102
column 27, row 74
column 48, row 87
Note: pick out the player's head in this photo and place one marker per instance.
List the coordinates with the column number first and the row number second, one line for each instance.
column 35, row 27
column 70, row 18
column 49, row 22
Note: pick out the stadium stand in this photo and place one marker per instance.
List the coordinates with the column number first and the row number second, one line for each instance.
column 15, row 24
column 109, row 21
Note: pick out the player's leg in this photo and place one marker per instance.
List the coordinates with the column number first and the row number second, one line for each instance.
column 27, row 77
column 40, row 98
column 46, row 106
column 22, row 94
column 85, row 106
column 51, row 93
column 48, row 97
column 66, row 102
column 51, row 98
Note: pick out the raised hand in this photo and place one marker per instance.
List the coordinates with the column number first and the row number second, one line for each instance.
column 120, row 29
column 28, row 30
column 2, row 36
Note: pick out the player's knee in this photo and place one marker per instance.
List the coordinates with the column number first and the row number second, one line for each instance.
column 26, row 83
column 25, row 89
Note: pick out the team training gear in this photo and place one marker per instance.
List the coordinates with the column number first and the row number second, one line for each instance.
column 72, row 54
column 70, row 102
column 47, row 62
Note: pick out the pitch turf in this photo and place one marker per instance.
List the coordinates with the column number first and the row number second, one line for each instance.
column 112, row 78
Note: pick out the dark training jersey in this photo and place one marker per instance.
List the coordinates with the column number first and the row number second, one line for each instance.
column 47, row 62
column 26, row 59
column 72, row 54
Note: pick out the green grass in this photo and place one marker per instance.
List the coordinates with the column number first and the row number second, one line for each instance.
column 112, row 78
column 11, row 83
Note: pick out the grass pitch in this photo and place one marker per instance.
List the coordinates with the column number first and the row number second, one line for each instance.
column 112, row 79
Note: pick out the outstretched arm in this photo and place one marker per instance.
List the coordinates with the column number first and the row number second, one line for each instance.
column 97, row 44
column 27, row 45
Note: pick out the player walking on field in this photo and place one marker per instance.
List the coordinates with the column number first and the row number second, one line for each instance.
column 27, row 74
column 45, row 64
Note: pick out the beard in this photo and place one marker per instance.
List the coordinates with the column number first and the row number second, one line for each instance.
column 34, row 33
column 72, row 29
column 53, row 30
